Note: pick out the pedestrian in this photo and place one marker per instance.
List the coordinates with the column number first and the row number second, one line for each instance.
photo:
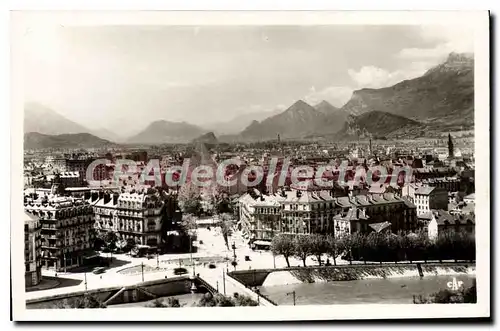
column 101, row 276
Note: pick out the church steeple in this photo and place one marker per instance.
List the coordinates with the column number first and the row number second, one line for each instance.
column 450, row 147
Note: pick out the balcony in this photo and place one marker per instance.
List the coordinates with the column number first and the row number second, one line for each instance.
column 48, row 246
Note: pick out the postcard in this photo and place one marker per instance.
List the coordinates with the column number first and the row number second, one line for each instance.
column 250, row 165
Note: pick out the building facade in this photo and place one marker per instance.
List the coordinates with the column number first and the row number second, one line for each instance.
column 428, row 197
column 134, row 216
column 306, row 212
column 67, row 230
column 32, row 250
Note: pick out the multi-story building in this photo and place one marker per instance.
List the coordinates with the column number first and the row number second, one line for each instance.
column 105, row 211
column 428, row 197
column 450, row 184
column 305, row 212
column 140, row 217
column 69, row 179
column 137, row 216
column 437, row 222
column 67, row 230
column 32, row 250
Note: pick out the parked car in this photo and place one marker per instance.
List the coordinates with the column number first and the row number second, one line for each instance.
column 180, row 271
column 211, row 266
column 99, row 270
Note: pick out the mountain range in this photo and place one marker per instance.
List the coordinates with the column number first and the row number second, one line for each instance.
column 162, row 132
column 35, row 140
column 443, row 96
column 442, row 99
column 379, row 125
column 239, row 123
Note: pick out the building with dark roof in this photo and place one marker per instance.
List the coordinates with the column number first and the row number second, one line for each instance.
column 32, row 250
column 429, row 197
column 306, row 212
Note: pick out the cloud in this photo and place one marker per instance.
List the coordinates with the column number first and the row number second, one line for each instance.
column 336, row 95
column 445, row 39
column 376, row 77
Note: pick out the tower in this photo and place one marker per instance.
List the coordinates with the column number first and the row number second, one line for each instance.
column 371, row 150
column 450, row 147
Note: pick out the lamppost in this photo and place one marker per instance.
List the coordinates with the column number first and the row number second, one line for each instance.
column 191, row 250
column 293, row 294
column 233, row 246
column 158, row 258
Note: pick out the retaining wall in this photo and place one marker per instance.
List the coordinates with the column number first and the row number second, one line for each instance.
column 125, row 294
column 284, row 276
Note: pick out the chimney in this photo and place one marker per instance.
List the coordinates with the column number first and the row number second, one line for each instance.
column 115, row 198
column 86, row 195
column 95, row 196
column 101, row 194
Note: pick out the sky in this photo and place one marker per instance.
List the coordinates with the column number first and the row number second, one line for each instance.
column 124, row 77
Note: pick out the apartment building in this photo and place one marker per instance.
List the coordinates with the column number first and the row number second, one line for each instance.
column 305, row 212
column 32, row 250
column 67, row 230
column 428, row 197
column 135, row 215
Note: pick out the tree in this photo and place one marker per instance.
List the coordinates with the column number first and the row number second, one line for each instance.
column 169, row 303
column 335, row 247
column 319, row 245
column 189, row 198
column 348, row 244
column 374, row 247
column 189, row 226
column 464, row 295
column 130, row 244
column 188, row 223
column 303, row 247
column 217, row 300
column 110, row 239
column 87, row 301
column 244, row 300
column 283, row 245
column 226, row 224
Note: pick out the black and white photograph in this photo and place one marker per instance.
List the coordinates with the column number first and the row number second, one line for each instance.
column 217, row 164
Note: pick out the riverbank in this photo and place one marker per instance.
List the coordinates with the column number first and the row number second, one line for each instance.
column 290, row 276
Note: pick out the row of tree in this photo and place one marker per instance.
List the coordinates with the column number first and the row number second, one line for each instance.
column 376, row 247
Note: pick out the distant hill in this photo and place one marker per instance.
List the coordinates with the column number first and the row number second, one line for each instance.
column 41, row 119
column 106, row 134
column 442, row 97
column 239, row 123
column 207, row 138
column 38, row 118
column 326, row 108
column 161, row 132
column 380, row 125
column 298, row 120
column 35, row 140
